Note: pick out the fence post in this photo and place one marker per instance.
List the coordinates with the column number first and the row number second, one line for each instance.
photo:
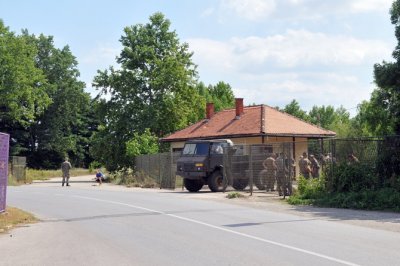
column 159, row 169
column 251, row 170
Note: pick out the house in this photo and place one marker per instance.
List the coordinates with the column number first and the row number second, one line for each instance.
column 260, row 124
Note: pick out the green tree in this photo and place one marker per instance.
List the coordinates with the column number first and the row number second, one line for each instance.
column 221, row 95
column 145, row 143
column 64, row 128
column 155, row 87
column 22, row 88
column 294, row 109
column 387, row 77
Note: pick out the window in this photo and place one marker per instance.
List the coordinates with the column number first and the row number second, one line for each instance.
column 195, row 149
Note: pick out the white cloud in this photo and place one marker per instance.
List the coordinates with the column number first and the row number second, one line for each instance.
column 102, row 54
column 207, row 12
column 370, row 5
column 292, row 49
column 250, row 9
column 314, row 68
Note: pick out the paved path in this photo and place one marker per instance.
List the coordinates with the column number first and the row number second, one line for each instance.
column 112, row 225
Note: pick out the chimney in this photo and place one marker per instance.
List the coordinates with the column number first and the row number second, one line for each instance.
column 209, row 110
column 239, row 107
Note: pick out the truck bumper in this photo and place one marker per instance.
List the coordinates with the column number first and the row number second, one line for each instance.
column 191, row 175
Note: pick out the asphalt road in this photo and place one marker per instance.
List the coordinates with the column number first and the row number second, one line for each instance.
column 109, row 225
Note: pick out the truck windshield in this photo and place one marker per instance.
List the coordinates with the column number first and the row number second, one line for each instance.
column 195, row 149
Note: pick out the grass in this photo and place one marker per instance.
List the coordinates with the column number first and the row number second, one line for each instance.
column 233, row 195
column 13, row 217
column 34, row 174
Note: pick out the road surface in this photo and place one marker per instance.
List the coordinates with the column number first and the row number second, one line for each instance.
column 112, row 225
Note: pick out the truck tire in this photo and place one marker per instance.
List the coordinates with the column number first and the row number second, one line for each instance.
column 216, row 182
column 240, row 184
column 193, row 185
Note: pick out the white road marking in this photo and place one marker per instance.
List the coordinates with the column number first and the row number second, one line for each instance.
column 226, row 230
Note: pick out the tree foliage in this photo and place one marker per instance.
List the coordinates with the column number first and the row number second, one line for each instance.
column 220, row 94
column 155, row 87
column 145, row 143
column 386, row 98
column 294, row 109
column 22, row 87
column 43, row 104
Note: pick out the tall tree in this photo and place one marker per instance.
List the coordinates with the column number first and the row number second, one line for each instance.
column 64, row 128
column 22, row 88
column 220, row 94
column 294, row 109
column 387, row 77
column 154, row 88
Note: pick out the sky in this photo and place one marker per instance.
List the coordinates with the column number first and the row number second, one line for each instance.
column 318, row 52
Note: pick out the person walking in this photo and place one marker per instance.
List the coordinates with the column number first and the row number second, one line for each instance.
column 65, row 167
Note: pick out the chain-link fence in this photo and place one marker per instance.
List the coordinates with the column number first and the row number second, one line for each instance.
column 161, row 167
column 273, row 167
column 264, row 167
column 18, row 168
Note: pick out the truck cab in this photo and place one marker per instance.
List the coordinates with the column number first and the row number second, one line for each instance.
column 201, row 162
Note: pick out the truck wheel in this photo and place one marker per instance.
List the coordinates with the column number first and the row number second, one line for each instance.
column 240, row 184
column 261, row 180
column 193, row 185
column 216, row 182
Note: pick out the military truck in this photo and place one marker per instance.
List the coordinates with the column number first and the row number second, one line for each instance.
column 201, row 162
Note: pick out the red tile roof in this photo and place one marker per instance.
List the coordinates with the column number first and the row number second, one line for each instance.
column 255, row 121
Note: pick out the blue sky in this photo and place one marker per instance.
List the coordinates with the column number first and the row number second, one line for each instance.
column 319, row 52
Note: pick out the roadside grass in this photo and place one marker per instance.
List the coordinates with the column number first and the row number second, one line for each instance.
column 13, row 217
column 34, row 174
column 234, row 195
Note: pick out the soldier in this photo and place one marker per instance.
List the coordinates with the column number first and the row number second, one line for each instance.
column 352, row 159
column 314, row 166
column 270, row 166
column 281, row 175
column 65, row 167
column 305, row 166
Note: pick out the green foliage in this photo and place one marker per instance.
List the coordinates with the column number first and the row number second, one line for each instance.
column 145, row 143
column 294, row 109
column 353, row 177
column 153, row 88
column 43, row 105
column 130, row 178
column 22, row 88
column 221, row 95
column 386, row 99
column 65, row 126
column 234, row 195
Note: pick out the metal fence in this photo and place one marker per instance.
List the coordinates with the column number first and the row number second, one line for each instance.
column 264, row 167
column 161, row 167
column 18, row 168
column 248, row 167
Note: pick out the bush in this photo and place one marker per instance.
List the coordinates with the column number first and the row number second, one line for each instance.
column 129, row 178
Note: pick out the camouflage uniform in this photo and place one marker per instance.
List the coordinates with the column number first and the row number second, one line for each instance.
column 65, row 166
column 314, row 167
column 270, row 165
column 305, row 166
column 281, row 175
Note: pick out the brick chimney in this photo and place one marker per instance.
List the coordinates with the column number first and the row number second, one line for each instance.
column 239, row 107
column 209, row 110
